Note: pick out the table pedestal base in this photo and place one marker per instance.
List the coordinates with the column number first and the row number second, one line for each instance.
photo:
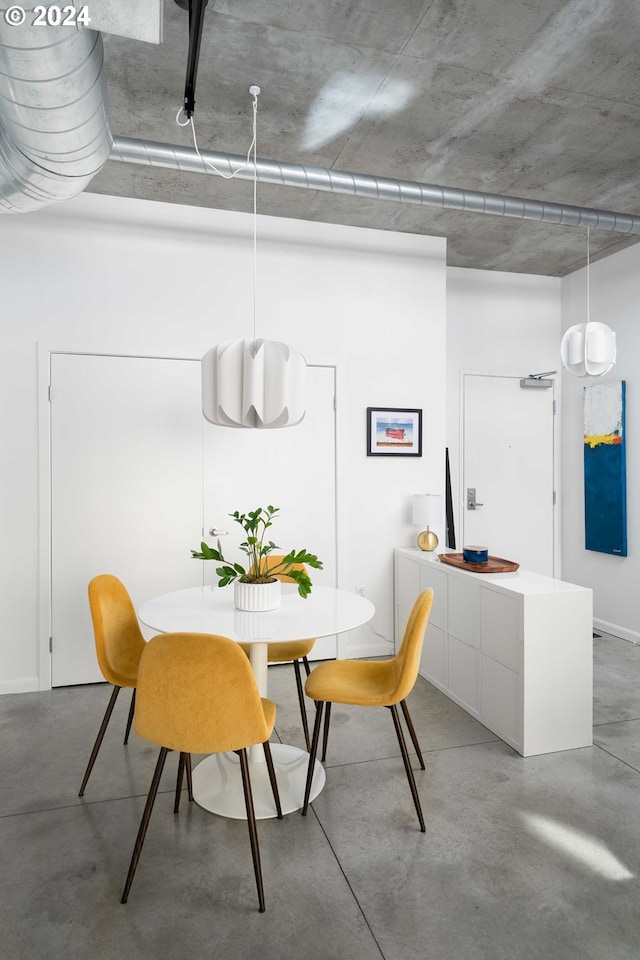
column 217, row 783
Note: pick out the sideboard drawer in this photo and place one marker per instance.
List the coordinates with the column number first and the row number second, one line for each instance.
column 407, row 582
column 463, row 615
column 464, row 680
column 433, row 662
column 499, row 698
column 437, row 580
column 500, row 628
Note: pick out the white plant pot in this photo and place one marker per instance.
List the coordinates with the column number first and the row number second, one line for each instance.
column 257, row 597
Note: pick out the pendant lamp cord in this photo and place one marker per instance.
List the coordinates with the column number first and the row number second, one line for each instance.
column 588, row 280
column 586, row 326
column 254, row 91
column 226, row 176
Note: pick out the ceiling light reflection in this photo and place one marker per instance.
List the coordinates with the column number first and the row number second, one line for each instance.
column 345, row 99
column 587, row 850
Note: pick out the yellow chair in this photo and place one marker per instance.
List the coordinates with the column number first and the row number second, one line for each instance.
column 295, row 650
column 373, row 683
column 119, row 644
column 197, row 694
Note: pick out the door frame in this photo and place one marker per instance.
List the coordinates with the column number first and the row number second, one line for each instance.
column 44, row 354
column 557, row 573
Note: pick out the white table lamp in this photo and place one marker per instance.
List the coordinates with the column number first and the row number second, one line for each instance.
column 427, row 510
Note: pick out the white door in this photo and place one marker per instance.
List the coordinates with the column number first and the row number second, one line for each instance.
column 129, row 453
column 126, row 489
column 508, row 462
column 292, row 469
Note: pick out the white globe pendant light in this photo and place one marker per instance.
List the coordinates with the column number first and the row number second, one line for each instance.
column 253, row 383
column 588, row 349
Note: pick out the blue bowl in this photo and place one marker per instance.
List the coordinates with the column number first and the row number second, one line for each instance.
column 475, row 554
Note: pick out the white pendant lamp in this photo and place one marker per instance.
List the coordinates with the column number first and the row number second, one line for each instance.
column 588, row 349
column 253, row 383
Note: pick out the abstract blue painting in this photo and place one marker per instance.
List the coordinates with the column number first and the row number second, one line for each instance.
column 605, row 480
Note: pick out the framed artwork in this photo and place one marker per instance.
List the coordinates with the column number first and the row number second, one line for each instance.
column 605, row 480
column 394, row 432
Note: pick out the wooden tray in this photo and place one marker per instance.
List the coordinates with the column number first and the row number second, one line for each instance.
column 493, row 564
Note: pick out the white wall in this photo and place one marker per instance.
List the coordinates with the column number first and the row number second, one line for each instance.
column 614, row 299
column 497, row 323
column 102, row 274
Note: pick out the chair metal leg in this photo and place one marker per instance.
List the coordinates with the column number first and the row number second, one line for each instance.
column 412, row 732
column 187, row 766
column 184, row 766
column 272, row 778
column 325, row 736
column 181, row 765
column 96, row 747
column 303, row 709
column 306, row 665
column 251, row 822
column 144, row 823
column 132, row 709
column 407, row 765
column 312, row 754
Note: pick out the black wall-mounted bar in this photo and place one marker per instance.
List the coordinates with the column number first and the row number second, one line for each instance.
column 196, row 23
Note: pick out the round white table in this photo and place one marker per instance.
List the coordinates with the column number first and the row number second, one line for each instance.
column 217, row 782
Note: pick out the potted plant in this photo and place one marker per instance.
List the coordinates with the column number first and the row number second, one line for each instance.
column 257, row 586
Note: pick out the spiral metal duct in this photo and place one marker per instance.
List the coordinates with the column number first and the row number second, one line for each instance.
column 131, row 150
column 54, row 128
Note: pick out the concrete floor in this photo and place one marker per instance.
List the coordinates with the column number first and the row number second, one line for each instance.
column 522, row 859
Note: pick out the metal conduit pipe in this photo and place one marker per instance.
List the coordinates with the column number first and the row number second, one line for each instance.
column 54, row 129
column 151, row 153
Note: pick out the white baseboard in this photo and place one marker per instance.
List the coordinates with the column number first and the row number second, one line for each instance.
column 633, row 636
column 374, row 647
column 19, row 685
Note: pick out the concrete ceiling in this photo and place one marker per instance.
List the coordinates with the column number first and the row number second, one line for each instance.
column 532, row 98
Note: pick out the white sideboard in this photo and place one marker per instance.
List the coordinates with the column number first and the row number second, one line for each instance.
column 515, row 650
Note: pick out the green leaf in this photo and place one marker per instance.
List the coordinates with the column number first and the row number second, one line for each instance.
column 303, row 580
column 206, row 553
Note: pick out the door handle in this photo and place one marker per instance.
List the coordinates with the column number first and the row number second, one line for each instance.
column 215, row 532
column 472, row 503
